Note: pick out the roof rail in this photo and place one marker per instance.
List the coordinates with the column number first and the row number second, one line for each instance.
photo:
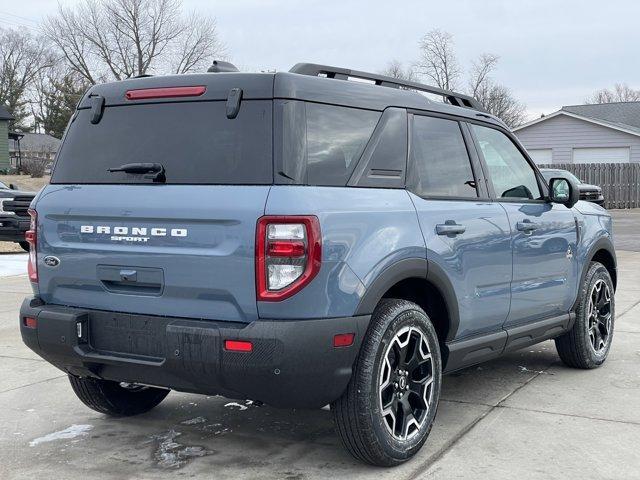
column 314, row 70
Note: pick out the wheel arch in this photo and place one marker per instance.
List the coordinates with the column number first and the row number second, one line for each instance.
column 423, row 282
column 608, row 259
column 604, row 252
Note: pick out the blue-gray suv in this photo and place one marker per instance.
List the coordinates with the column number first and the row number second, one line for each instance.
column 304, row 239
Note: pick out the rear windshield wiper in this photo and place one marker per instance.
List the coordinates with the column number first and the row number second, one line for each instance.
column 155, row 169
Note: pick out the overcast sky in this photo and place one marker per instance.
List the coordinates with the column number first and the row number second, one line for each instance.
column 552, row 53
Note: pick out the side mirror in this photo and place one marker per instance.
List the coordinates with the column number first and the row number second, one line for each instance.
column 12, row 186
column 564, row 191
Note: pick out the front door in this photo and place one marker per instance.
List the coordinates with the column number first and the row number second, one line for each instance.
column 544, row 235
column 467, row 235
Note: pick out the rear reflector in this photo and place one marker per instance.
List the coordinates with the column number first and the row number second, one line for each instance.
column 343, row 339
column 237, row 346
column 165, row 92
column 30, row 322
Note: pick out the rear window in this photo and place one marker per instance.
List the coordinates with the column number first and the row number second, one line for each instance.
column 194, row 141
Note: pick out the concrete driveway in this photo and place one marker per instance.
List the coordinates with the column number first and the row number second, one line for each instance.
column 522, row 416
column 626, row 229
column 13, row 264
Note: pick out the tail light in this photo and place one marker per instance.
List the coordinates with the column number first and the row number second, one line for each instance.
column 31, row 236
column 288, row 255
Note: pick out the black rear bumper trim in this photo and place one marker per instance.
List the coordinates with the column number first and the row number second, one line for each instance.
column 293, row 362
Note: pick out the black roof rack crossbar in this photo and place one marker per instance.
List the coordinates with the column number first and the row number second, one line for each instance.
column 314, row 70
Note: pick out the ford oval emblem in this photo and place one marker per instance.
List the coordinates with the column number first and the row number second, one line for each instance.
column 51, row 261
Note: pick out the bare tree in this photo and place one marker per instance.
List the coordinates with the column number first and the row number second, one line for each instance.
column 621, row 93
column 496, row 99
column 439, row 65
column 480, row 71
column 395, row 69
column 197, row 47
column 22, row 57
column 55, row 93
column 499, row 101
column 118, row 39
column 437, row 59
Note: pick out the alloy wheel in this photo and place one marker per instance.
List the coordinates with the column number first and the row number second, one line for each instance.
column 406, row 383
column 600, row 316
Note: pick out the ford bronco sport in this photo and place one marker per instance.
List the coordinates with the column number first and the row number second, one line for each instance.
column 303, row 239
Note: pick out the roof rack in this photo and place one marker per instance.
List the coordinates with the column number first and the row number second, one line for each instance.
column 314, row 70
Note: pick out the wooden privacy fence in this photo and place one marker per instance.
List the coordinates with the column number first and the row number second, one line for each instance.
column 620, row 182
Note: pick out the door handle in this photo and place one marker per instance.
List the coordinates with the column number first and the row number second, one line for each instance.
column 450, row 228
column 128, row 275
column 526, row 226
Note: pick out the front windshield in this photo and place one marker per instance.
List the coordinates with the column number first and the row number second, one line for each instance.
column 2, row 185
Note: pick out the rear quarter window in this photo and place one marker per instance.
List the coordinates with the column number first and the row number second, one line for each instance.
column 321, row 144
column 336, row 137
column 194, row 141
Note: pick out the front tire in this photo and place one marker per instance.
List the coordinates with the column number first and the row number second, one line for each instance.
column 588, row 342
column 111, row 398
column 385, row 415
column 25, row 246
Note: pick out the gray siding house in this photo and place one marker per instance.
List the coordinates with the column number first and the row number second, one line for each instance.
column 603, row 133
column 33, row 145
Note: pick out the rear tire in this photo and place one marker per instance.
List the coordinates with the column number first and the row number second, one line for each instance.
column 588, row 342
column 112, row 399
column 25, row 246
column 385, row 415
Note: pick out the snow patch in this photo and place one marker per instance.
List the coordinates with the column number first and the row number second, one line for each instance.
column 236, row 405
column 541, row 372
column 71, row 432
column 172, row 454
column 194, row 421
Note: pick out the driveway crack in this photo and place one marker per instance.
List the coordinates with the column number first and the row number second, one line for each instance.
column 31, row 384
column 573, row 415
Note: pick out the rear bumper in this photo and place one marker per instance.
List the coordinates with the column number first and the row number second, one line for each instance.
column 293, row 362
column 12, row 228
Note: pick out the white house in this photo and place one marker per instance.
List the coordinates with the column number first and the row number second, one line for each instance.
column 602, row 133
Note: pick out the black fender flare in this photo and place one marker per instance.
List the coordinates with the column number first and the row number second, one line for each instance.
column 603, row 243
column 413, row 268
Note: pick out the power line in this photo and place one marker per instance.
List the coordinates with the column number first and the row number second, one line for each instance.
column 18, row 16
column 12, row 23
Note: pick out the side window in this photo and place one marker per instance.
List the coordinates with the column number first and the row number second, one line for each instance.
column 439, row 165
column 511, row 174
column 336, row 137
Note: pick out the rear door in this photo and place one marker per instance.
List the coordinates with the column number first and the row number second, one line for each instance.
column 129, row 243
column 467, row 235
column 544, row 234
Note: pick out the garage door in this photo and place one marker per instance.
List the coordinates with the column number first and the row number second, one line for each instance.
column 601, row 155
column 542, row 156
